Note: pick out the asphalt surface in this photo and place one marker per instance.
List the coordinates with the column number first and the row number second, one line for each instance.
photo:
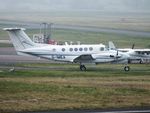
column 8, row 58
column 8, row 55
column 121, row 110
column 104, row 30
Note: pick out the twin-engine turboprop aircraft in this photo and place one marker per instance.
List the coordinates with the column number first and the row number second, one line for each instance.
column 81, row 54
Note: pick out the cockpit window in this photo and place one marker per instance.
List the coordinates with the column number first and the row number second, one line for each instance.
column 102, row 49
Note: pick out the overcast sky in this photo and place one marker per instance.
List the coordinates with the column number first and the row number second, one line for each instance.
column 75, row 5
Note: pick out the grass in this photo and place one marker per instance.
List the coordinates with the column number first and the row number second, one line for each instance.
column 96, row 38
column 99, row 88
column 62, row 35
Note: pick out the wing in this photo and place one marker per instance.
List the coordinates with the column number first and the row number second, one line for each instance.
column 84, row 58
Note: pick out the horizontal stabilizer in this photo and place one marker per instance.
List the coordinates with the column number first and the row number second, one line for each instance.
column 13, row 29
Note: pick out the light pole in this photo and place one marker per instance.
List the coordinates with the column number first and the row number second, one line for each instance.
column 50, row 31
column 45, row 32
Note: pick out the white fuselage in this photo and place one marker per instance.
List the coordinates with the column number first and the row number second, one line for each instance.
column 70, row 53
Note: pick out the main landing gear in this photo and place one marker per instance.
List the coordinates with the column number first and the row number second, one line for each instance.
column 82, row 67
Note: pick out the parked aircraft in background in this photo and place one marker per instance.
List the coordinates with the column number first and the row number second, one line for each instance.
column 134, row 54
column 81, row 54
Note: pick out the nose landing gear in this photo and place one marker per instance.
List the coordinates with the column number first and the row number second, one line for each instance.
column 82, row 67
column 126, row 68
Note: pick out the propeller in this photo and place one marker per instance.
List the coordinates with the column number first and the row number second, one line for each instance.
column 133, row 46
column 117, row 55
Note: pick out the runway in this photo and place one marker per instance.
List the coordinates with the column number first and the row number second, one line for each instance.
column 98, row 111
column 8, row 59
column 8, row 55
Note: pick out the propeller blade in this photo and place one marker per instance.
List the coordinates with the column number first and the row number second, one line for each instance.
column 117, row 53
column 133, row 46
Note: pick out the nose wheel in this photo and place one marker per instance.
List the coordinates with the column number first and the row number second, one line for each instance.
column 126, row 68
column 82, row 68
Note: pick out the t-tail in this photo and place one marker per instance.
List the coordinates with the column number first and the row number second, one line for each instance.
column 19, row 38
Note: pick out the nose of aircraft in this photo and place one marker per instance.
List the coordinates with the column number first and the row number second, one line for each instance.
column 122, row 58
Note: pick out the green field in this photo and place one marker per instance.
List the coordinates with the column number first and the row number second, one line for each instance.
column 97, row 37
column 101, row 87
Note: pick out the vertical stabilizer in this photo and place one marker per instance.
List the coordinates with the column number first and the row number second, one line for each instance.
column 19, row 38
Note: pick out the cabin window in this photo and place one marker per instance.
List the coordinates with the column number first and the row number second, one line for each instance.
column 90, row 48
column 80, row 49
column 54, row 50
column 102, row 49
column 85, row 49
column 75, row 49
column 63, row 49
column 71, row 49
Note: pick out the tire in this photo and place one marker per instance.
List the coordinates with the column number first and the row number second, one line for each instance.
column 126, row 68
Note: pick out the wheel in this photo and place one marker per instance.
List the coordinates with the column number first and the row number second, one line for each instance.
column 82, row 68
column 126, row 68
